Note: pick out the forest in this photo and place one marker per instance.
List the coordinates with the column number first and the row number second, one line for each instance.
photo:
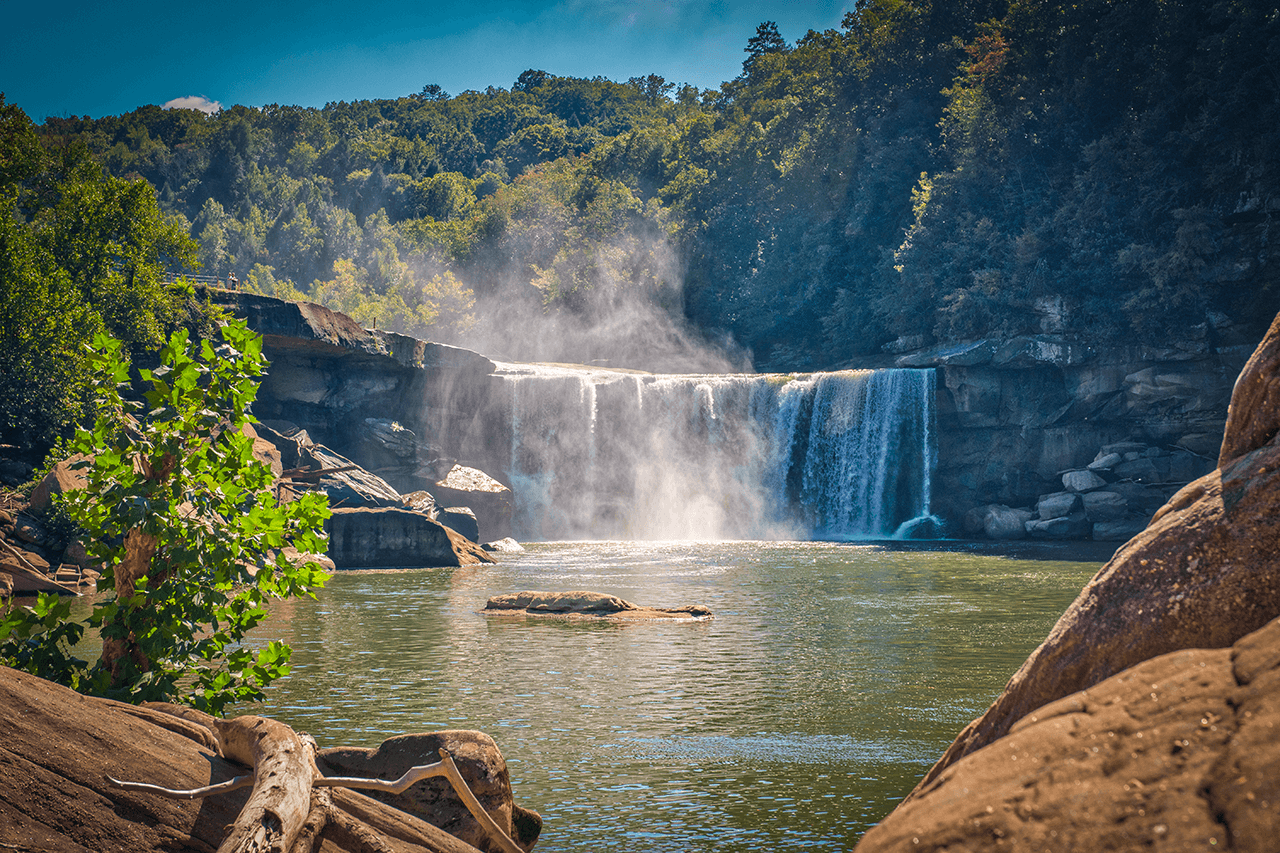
column 1105, row 170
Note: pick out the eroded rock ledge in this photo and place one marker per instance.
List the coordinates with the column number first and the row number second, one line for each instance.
column 580, row 604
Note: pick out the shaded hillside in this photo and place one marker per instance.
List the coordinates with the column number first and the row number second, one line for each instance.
column 928, row 171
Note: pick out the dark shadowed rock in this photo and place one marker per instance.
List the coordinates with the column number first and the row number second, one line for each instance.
column 1181, row 752
column 460, row 519
column 363, row 538
column 434, row 800
column 1001, row 522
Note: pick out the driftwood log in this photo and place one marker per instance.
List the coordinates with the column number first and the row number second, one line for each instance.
column 292, row 805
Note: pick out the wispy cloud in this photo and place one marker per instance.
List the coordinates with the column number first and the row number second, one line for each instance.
column 194, row 102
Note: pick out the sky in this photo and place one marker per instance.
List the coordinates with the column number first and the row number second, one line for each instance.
column 96, row 59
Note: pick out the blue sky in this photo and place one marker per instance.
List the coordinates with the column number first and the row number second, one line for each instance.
column 60, row 58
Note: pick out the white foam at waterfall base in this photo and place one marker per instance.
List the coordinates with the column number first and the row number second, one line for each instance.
column 598, row 454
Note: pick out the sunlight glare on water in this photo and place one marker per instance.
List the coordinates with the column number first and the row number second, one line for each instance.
column 830, row 678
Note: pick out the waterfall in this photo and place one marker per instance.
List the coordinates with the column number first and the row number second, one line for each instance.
column 608, row 454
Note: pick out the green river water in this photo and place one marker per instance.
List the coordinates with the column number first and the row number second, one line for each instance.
column 830, row 678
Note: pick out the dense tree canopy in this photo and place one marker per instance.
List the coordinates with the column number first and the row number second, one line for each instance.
column 929, row 170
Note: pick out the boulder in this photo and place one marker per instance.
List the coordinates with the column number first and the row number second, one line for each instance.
column 352, row 487
column 1105, row 506
column 584, row 604
column 460, row 519
column 1058, row 505
column 1073, row 526
column 1105, row 461
column 1001, row 522
column 434, row 800
column 1177, row 753
column 489, row 499
column 422, row 502
column 61, row 478
column 1253, row 418
column 1117, row 531
column 1082, row 481
column 365, row 538
column 1140, row 470
column 504, row 546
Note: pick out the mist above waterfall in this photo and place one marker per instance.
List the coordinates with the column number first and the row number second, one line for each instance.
column 607, row 454
column 616, row 305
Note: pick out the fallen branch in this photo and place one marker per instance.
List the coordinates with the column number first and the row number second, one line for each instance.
column 444, row 767
column 290, row 805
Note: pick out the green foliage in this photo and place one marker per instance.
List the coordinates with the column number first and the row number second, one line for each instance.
column 81, row 251
column 188, row 529
column 928, row 168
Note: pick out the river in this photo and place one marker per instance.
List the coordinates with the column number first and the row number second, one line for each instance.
column 830, row 678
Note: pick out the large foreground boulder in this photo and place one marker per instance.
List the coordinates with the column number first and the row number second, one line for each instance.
column 363, row 538
column 57, row 750
column 1181, row 752
column 1203, row 574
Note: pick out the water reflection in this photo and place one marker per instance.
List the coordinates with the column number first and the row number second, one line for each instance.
column 830, row 678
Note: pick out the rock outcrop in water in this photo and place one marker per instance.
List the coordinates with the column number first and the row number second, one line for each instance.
column 584, row 605
column 1086, row 728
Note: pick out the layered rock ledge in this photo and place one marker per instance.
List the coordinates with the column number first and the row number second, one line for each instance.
column 580, row 604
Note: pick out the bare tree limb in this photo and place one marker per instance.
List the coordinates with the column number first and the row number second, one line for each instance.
column 444, row 767
column 194, row 793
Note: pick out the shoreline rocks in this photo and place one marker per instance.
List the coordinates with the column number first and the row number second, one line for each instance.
column 1174, row 643
column 581, row 604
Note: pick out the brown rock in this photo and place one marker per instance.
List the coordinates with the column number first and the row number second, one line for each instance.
column 434, row 800
column 61, row 478
column 1180, row 752
column 1204, row 573
column 1253, row 418
column 57, row 749
column 584, row 604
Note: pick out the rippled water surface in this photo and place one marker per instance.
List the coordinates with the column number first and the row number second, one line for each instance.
column 829, row 680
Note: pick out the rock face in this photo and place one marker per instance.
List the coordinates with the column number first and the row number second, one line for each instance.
column 395, row 538
column 57, row 749
column 340, row 383
column 434, row 800
column 1180, row 752
column 582, row 604
column 1205, row 574
column 1014, row 415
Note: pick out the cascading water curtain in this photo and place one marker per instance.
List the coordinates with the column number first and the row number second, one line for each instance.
column 610, row 455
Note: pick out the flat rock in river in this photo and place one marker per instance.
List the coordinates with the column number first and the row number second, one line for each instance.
column 580, row 604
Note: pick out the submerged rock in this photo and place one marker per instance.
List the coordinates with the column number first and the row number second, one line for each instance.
column 582, row 604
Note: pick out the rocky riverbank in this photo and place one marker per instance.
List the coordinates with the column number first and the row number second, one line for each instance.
column 1150, row 715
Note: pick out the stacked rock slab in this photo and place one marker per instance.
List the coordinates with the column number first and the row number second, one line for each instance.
column 1077, row 748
